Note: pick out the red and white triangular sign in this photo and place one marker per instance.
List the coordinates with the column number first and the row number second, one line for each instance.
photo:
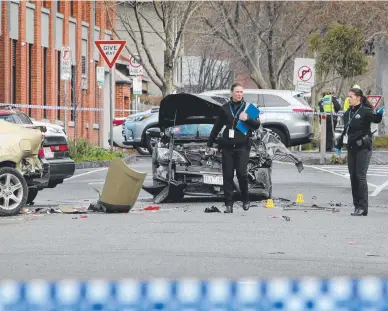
column 110, row 50
column 374, row 100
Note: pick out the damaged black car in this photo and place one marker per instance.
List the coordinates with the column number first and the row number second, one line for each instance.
column 181, row 164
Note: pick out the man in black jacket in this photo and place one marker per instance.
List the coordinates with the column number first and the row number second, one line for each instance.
column 235, row 145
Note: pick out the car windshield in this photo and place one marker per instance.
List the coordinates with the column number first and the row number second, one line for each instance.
column 201, row 131
column 7, row 117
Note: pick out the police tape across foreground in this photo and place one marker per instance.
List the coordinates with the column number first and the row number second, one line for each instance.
column 299, row 111
column 275, row 294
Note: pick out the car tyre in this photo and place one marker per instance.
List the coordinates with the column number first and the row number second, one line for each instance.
column 32, row 193
column 280, row 135
column 142, row 151
column 12, row 178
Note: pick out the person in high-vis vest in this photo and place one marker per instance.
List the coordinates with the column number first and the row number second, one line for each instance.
column 346, row 103
column 329, row 104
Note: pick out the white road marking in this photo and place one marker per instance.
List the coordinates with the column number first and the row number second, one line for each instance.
column 379, row 189
column 87, row 173
column 337, row 174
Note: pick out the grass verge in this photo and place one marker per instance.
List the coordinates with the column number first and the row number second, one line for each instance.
column 84, row 151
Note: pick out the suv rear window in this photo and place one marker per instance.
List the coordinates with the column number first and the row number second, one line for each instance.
column 301, row 100
column 24, row 119
column 273, row 101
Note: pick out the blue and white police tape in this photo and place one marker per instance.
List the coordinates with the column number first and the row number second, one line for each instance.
column 60, row 107
column 299, row 111
column 277, row 294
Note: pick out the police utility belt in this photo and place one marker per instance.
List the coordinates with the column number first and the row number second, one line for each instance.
column 363, row 141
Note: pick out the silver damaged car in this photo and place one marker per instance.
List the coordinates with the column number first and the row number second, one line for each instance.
column 181, row 165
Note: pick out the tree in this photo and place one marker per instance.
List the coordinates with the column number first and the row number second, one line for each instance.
column 339, row 53
column 265, row 35
column 209, row 68
column 151, row 26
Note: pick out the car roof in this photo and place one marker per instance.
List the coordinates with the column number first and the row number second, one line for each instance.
column 256, row 91
column 5, row 112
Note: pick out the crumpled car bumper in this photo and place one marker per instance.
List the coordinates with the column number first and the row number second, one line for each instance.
column 39, row 177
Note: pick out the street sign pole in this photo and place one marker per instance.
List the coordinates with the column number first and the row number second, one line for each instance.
column 323, row 139
column 100, row 75
column 111, row 78
column 65, row 75
column 110, row 50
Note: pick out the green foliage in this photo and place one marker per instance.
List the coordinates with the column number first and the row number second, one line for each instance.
column 339, row 51
column 85, row 151
column 381, row 142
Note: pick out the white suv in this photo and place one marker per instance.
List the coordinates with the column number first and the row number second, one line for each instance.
column 281, row 111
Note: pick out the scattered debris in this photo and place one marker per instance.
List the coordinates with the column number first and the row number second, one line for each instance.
column 314, row 207
column 283, row 217
column 68, row 209
column 372, row 255
column 151, row 208
column 212, row 209
column 282, row 200
column 314, row 197
column 275, row 253
column 351, row 243
column 338, row 204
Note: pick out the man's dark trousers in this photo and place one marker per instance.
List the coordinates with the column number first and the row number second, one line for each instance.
column 358, row 163
column 331, row 124
column 235, row 158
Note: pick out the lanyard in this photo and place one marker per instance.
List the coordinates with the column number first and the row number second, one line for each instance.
column 351, row 118
column 238, row 111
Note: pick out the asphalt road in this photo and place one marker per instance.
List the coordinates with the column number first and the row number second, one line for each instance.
column 180, row 240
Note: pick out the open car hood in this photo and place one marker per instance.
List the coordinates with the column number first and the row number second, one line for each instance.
column 188, row 109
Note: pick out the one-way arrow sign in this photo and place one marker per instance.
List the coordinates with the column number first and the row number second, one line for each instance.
column 110, row 50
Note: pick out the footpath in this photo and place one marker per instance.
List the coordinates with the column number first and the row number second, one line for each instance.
column 379, row 157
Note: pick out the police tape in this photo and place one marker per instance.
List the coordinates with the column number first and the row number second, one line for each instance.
column 344, row 294
column 72, row 108
column 299, row 111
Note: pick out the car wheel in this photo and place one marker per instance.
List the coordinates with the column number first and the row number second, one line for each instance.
column 280, row 135
column 13, row 191
column 32, row 193
column 142, row 151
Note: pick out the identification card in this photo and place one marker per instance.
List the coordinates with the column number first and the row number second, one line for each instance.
column 345, row 140
column 231, row 133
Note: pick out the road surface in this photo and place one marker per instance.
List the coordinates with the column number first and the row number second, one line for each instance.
column 181, row 240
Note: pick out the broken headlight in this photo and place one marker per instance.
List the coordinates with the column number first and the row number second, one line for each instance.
column 164, row 156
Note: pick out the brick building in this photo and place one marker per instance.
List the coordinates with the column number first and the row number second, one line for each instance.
column 32, row 34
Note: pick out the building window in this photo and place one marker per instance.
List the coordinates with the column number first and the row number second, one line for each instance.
column 73, row 91
column 59, row 6
column 72, row 8
column 14, row 45
column 30, row 79
column 44, row 83
column 84, row 65
column 44, row 4
column 59, row 85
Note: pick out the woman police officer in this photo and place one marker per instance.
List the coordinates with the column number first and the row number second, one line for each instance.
column 357, row 137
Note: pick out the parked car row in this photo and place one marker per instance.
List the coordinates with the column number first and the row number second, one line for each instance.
column 281, row 112
column 53, row 149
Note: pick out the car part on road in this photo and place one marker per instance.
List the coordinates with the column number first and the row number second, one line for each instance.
column 13, row 191
column 212, row 209
column 181, row 162
column 122, row 187
column 32, row 193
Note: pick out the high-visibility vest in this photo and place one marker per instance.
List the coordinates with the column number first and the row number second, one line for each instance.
column 327, row 103
column 346, row 104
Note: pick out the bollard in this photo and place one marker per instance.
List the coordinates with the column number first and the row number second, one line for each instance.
column 323, row 139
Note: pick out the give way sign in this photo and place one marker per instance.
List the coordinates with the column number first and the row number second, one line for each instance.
column 110, row 50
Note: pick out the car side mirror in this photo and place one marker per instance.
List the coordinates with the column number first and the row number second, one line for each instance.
column 154, row 132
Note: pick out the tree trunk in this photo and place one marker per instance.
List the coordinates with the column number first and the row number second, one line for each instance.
column 382, row 77
column 168, row 87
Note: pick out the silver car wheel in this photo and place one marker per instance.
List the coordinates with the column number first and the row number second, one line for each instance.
column 11, row 191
